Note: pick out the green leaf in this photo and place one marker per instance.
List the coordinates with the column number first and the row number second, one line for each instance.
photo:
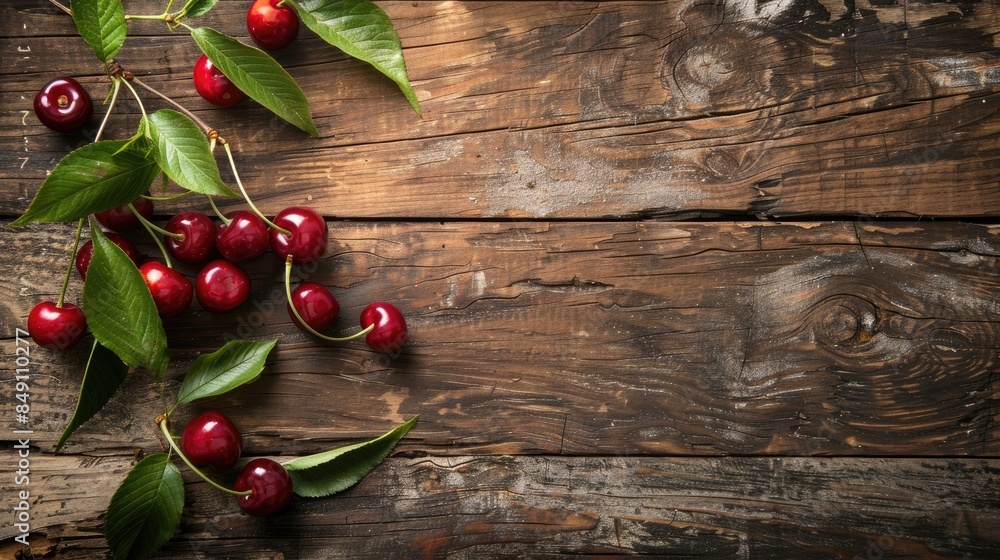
column 182, row 151
column 237, row 363
column 120, row 310
column 196, row 8
column 96, row 177
column 102, row 25
column 362, row 30
column 145, row 511
column 326, row 473
column 105, row 373
column 258, row 75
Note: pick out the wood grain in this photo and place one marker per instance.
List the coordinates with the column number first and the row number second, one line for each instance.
column 513, row 507
column 585, row 111
column 869, row 338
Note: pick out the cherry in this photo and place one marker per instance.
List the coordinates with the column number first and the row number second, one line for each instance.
column 271, row 26
column 86, row 252
column 213, row 85
column 389, row 332
column 315, row 304
column 121, row 218
column 244, row 238
column 270, row 486
column 172, row 292
column 199, row 237
column 63, row 105
column 222, row 286
column 309, row 235
column 211, row 439
column 56, row 327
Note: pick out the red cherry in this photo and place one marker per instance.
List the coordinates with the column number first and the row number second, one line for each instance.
column 222, row 286
column 56, row 327
column 211, row 439
column 316, row 304
column 270, row 485
column 244, row 238
column 213, row 85
column 86, row 252
column 120, row 218
column 390, row 331
column 199, row 237
column 309, row 235
column 271, row 26
column 172, row 292
column 63, row 105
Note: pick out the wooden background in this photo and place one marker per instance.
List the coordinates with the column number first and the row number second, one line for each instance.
column 683, row 278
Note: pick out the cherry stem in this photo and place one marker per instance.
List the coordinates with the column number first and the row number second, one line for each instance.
column 166, row 198
column 61, row 7
column 218, row 213
column 243, row 191
column 291, row 305
column 162, row 421
column 208, row 130
column 72, row 260
column 135, row 94
column 111, row 105
column 154, row 227
column 145, row 223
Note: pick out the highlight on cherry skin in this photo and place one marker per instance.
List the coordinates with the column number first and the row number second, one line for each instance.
column 63, row 105
column 172, row 292
column 55, row 327
column 389, row 332
column 222, row 286
column 271, row 26
column 211, row 440
column 270, row 486
column 245, row 238
column 213, row 86
column 309, row 235
column 199, row 237
column 316, row 305
column 86, row 252
column 121, row 218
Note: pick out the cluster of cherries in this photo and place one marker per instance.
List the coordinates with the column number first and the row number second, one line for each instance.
column 221, row 285
column 296, row 235
column 262, row 487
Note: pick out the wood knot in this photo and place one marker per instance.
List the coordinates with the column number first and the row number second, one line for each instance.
column 725, row 65
column 708, row 65
column 846, row 321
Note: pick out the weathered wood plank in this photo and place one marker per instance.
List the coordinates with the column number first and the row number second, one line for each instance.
column 868, row 338
column 507, row 507
column 589, row 110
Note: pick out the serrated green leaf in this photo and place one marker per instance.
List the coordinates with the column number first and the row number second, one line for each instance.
column 196, row 8
column 182, row 151
column 258, row 75
column 105, row 373
column 102, row 25
column 146, row 509
column 95, row 177
column 326, row 473
column 237, row 363
column 119, row 308
column 362, row 30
